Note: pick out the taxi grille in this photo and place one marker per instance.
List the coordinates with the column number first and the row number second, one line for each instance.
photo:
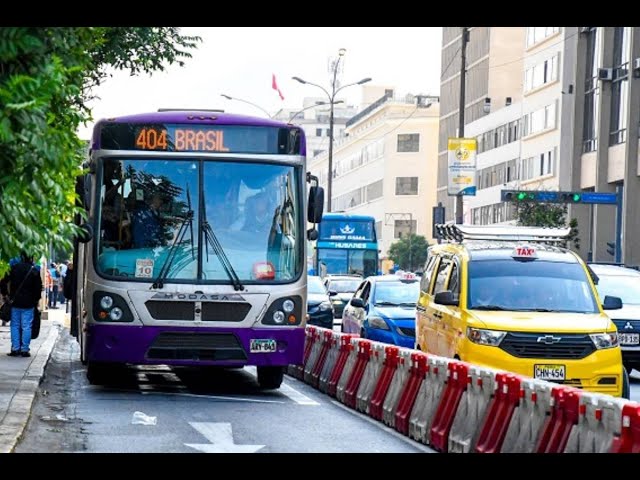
column 526, row 345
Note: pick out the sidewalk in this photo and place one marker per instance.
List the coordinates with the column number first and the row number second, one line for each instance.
column 20, row 377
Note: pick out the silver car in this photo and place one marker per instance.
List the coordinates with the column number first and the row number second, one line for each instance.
column 623, row 282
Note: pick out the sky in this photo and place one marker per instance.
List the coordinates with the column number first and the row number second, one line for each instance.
column 240, row 62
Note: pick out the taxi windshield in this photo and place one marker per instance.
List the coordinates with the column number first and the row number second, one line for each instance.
column 538, row 286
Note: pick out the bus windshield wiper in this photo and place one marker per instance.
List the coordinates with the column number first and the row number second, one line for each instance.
column 488, row 307
column 385, row 303
column 166, row 266
column 212, row 241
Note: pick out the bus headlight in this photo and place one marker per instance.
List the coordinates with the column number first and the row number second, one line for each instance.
column 116, row 314
column 604, row 340
column 288, row 306
column 106, row 302
column 278, row 317
column 491, row 338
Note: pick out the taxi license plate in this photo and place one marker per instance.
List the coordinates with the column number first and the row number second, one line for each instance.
column 629, row 338
column 260, row 345
column 549, row 372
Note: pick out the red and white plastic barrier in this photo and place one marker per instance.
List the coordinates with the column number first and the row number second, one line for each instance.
column 457, row 407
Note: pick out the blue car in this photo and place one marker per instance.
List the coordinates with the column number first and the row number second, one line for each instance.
column 384, row 309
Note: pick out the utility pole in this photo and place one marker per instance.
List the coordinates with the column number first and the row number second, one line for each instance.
column 463, row 76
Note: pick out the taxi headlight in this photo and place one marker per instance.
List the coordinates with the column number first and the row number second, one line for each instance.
column 485, row 337
column 377, row 322
column 604, row 340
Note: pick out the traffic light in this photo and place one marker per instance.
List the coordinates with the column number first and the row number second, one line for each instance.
column 570, row 197
column 518, row 196
column 611, row 248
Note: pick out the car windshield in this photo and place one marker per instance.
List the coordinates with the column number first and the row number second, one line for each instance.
column 314, row 285
column 626, row 287
column 344, row 286
column 155, row 209
column 530, row 286
column 397, row 293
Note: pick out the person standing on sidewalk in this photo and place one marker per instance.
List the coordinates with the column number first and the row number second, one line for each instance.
column 24, row 287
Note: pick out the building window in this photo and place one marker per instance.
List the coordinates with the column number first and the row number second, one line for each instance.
column 328, row 132
column 538, row 165
column 402, row 228
column 537, row 34
column 592, row 92
column 318, row 132
column 408, row 142
column 542, row 119
column 494, row 213
column 358, row 196
column 620, row 86
column 374, row 190
column 541, row 74
column 317, row 152
column 379, row 231
column 406, row 185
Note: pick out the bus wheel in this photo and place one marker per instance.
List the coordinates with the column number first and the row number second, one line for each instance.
column 270, row 378
column 626, row 388
column 100, row 373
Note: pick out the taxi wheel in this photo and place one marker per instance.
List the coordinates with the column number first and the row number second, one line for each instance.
column 626, row 389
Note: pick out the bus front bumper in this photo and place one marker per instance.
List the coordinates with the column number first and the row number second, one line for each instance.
column 189, row 346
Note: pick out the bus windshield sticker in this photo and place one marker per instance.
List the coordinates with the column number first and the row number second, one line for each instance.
column 144, row 268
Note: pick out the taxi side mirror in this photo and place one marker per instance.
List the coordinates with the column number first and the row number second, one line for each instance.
column 446, row 298
column 332, row 293
column 612, row 303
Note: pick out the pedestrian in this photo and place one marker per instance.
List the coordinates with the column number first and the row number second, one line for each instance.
column 23, row 287
column 55, row 285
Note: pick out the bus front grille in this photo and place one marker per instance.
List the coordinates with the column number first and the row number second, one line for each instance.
column 165, row 310
column 224, row 311
column 196, row 346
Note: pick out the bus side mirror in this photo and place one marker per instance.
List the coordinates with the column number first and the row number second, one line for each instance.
column 86, row 233
column 315, row 205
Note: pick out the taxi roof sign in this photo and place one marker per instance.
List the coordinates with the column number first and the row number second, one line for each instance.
column 406, row 276
column 524, row 252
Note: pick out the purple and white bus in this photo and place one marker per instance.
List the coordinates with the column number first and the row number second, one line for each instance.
column 193, row 252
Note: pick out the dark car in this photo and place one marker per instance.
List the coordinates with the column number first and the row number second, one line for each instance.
column 341, row 289
column 319, row 306
column 384, row 309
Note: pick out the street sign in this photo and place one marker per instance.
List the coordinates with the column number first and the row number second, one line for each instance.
column 462, row 166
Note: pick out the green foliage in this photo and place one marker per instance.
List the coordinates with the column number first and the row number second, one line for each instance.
column 46, row 77
column 410, row 252
column 548, row 215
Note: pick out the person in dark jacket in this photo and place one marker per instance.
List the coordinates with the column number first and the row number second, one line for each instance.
column 24, row 288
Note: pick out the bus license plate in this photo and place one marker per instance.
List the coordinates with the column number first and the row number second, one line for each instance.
column 629, row 338
column 549, row 372
column 260, row 345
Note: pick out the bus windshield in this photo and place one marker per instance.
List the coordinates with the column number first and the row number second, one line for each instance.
column 154, row 209
column 352, row 262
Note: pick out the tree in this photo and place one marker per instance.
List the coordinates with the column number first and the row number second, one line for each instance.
column 46, row 79
column 548, row 215
column 410, row 252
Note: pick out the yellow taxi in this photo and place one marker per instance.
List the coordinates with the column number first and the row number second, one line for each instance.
column 507, row 297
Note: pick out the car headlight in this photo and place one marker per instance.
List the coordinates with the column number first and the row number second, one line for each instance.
column 604, row 340
column 324, row 306
column 485, row 337
column 377, row 322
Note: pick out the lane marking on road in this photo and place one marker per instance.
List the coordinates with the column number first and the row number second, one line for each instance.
column 387, row 429
column 214, row 397
column 287, row 390
column 220, row 437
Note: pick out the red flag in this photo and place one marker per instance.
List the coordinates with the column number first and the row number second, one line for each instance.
column 274, row 85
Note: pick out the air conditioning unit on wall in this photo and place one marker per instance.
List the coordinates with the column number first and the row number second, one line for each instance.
column 605, row 74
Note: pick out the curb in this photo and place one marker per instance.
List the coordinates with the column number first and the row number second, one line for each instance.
column 19, row 408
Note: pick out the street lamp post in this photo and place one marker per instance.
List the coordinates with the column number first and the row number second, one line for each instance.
column 331, row 96
column 229, row 97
